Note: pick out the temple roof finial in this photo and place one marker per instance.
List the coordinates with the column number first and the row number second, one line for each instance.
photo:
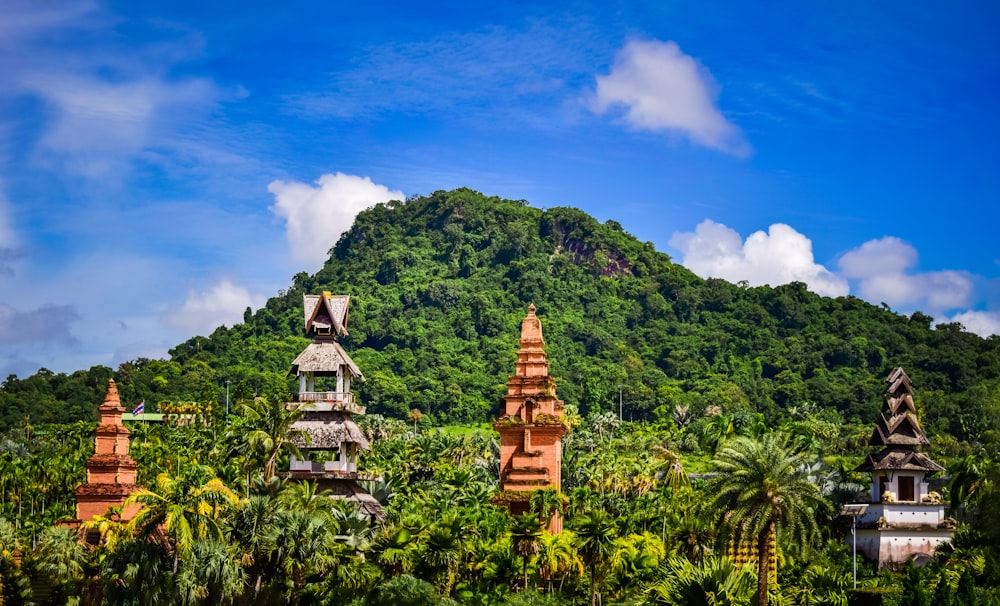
column 531, row 329
column 111, row 399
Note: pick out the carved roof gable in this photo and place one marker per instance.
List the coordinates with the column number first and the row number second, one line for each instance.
column 325, row 314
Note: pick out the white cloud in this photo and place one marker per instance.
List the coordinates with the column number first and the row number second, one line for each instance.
column 983, row 323
column 97, row 123
column 203, row 312
column 883, row 269
column 780, row 256
column 316, row 216
column 665, row 90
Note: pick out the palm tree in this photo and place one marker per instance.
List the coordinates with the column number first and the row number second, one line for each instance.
column 524, row 536
column 13, row 582
column 270, row 423
column 546, row 502
column 214, row 576
column 596, row 536
column 61, row 557
column 558, row 558
column 303, row 546
column 251, row 528
column 396, row 550
column 187, row 506
column 716, row 582
column 762, row 487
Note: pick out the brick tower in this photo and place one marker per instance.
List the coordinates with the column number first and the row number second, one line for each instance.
column 110, row 471
column 531, row 426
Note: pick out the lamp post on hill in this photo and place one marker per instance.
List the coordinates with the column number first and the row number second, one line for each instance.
column 855, row 510
column 620, row 402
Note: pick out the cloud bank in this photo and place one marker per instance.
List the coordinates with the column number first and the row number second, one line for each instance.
column 983, row 323
column 315, row 217
column 780, row 256
column 662, row 89
column 884, row 270
column 881, row 271
column 224, row 303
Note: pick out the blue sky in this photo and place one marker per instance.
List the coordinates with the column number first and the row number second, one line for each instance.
column 165, row 165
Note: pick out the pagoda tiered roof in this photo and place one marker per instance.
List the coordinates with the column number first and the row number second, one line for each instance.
column 898, row 431
column 322, row 357
column 327, row 430
column 897, row 459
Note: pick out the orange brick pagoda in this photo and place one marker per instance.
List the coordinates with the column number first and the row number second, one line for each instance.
column 531, row 426
column 110, row 471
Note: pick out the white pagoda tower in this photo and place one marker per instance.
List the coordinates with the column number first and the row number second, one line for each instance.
column 325, row 372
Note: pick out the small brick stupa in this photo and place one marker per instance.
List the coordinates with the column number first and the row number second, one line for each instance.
column 330, row 454
column 531, row 426
column 110, row 471
column 904, row 521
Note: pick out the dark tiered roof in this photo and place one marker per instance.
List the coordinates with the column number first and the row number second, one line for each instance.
column 898, row 431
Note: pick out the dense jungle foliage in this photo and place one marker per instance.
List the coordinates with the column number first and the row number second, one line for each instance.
column 709, row 375
column 216, row 527
column 440, row 283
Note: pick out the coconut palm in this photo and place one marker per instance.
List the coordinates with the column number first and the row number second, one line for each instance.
column 270, row 429
column 761, row 488
column 188, row 506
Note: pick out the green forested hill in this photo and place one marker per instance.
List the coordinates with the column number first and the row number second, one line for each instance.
column 440, row 283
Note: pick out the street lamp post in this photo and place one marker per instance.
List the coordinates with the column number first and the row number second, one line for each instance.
column 854, row 510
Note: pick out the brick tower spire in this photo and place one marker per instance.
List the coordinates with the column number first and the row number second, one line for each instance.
column 110, row 471
column 531, row 426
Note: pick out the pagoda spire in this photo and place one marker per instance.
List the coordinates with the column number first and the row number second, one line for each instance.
column 111, row 472
column 904, row 520
column 531, row 426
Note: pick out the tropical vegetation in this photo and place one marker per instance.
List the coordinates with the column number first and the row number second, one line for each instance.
column 704, row 416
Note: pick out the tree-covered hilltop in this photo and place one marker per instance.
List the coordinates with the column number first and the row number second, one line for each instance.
column 439, row 284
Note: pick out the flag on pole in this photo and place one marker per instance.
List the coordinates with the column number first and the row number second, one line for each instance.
column 138, row 410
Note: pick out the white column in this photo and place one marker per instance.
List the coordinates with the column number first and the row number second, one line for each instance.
column 302, row 383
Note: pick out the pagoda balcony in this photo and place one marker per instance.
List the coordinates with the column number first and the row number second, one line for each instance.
column 330, row 475
column 326, row 401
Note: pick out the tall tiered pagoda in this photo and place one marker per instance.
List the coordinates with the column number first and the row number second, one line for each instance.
column 904, row 521
column 325, row 373
column 110, row 470
column 531, row 426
